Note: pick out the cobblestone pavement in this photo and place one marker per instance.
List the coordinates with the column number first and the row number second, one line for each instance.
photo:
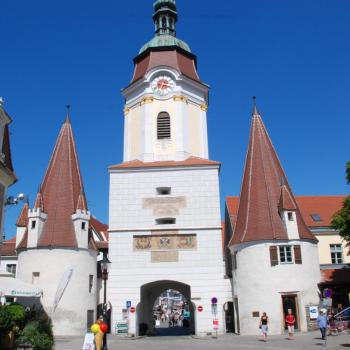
column 305, row 341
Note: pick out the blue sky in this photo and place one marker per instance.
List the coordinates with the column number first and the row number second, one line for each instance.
column 293, row 55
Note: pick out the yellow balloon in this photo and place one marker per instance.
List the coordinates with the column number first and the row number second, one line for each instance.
column 95, row 328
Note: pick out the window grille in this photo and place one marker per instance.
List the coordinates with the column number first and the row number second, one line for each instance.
column 163, row 126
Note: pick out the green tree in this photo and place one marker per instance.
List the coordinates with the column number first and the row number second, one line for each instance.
column 341, row 219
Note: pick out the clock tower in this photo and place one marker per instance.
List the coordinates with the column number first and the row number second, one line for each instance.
column 164, row 207
column 166, row 102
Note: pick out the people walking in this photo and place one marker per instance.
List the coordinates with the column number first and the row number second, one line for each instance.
column 290, row 321
column 263, row 325
column 322, row 324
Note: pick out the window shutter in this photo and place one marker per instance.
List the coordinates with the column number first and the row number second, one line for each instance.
column 273, row 255
column 235, row 261
column 297, row 254
column 163, row 126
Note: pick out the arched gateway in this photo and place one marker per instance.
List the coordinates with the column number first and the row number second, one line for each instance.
column 149, row 294
column 164, row 208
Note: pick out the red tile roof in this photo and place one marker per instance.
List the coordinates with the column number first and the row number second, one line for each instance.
column 324, row 206
column 99, row 227
column 258, row 216
column 60, row 192
column 8, row 247
column 191, row 161
column 286, row 201
column 182, row 62
column 22, row 220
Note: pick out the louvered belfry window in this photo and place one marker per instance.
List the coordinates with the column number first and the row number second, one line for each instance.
column 163, row 126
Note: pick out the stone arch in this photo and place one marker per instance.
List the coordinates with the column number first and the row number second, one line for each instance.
column 148, row 295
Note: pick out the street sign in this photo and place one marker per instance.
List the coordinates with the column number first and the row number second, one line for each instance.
column 128, row 304
column 214, row 300
column 132, row 309
column 186, row 314
column 216, row 323
column 200, row 308
column 121, row 328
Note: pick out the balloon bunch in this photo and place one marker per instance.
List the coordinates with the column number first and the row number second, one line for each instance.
column 99, row 327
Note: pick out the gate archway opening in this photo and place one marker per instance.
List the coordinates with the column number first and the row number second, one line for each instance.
column 165, row 309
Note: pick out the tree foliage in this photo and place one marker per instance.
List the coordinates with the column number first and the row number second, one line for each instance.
column 341, row 219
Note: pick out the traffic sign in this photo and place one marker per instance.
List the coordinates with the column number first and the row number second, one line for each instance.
column 214, row 300
column 216, row 324
column 128, row 304
column 132, row 309
column 200, row 308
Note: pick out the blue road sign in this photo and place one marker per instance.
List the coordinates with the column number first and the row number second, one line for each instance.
column 128, row 304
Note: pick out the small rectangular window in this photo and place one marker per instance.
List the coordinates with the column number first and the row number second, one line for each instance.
column 89, row 319
column 163, row 191
column 316, row 217
column 91, row 282
column 33, row 224
column 35, row 277
column 290, row 216
column 234, row 261
column 285, row 254
column 336, row 253
column 83, row 225
column 166, row 221
column 11, row 268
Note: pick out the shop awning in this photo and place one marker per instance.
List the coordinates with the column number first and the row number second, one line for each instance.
column 13, row 287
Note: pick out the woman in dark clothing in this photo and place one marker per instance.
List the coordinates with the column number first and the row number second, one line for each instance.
column 264, row 321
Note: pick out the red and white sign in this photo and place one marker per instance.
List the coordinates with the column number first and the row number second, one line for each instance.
column 132, row 309
column 216, row 323
column 200, row 308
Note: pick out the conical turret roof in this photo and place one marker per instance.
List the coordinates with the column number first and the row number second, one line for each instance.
column 61, row 191
column 258, row 215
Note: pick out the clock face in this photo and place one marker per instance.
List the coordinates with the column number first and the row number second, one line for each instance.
column 162, row 85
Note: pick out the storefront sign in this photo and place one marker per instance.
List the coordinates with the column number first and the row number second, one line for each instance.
column 313, row 310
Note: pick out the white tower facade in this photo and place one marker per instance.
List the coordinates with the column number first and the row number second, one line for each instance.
column 164, row 205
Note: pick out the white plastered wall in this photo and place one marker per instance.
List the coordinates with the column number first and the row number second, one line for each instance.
column 70, row 317
column 260, row 286
column 202, row 269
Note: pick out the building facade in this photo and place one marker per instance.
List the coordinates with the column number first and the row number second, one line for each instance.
column 273, row 254
column 7, row 175
column 164, row 206
column 57, row 250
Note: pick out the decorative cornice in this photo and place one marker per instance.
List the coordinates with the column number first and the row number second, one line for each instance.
column 145, row 100
column 126, row 110
column 204, row 107
column 180, row 98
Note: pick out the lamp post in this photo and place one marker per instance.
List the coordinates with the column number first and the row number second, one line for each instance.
column 105, row 265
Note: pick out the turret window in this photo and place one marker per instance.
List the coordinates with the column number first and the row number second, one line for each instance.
column 166, row 221
column 285, row 254
column 163, row 126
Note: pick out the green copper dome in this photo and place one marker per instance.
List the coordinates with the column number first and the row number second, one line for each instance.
column 165, row 18
column 165, row 40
